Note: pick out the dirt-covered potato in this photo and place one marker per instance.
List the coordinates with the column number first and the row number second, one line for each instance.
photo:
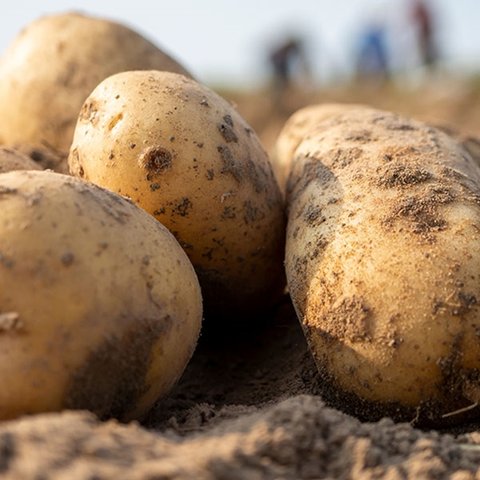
column 13, row 160
column 186, row 156
column 383, row 263
column 471, row 143
column 54, row 64
column 45, row 157
column 293, row 132
column 100, row 308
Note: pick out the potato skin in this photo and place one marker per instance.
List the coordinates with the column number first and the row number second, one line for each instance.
column 100, row 308
column 306, row 119
column 54, row 64
column 383, row 261
column 186, row 156
column 13, row 160
column 295, row 129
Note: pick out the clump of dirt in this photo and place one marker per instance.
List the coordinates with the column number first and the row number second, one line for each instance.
column 401, row 176
column 298, row 438
column 348, row 320
column 422, row 211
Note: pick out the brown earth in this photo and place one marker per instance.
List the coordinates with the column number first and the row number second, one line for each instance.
column 249, row 405
column 246, row 408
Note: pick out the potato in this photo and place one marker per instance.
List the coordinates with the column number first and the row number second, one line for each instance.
column 186, row 156
column 100, row 308
column 13, row 160
column 54, row 64
column 470, row 143
column 45, row 157
column 295, row 129
column 383, row 263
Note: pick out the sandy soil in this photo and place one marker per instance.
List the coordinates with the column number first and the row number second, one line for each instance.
column 246, row 408
column 249, row 405
column 454, row 103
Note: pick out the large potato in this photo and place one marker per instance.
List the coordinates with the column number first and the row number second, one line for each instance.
column 100, row 308
column 54, row 64
column 383, row 262
column 13, row 160
column 186, row 156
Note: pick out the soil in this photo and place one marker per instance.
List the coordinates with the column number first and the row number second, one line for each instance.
column 250, row 405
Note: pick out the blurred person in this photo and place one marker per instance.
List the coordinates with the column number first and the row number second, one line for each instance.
column 372, row 56
column 422, row 18
column 287, row 61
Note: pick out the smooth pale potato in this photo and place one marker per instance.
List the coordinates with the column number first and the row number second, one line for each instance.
column 383, row 263
column 293, row 132
column 182, row 153
column 53, row 65
column 13, row 160
column 100, row 308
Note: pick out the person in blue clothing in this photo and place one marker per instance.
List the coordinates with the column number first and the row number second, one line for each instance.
column 372, row 53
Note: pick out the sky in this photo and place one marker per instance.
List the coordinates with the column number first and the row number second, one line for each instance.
column 227, row 41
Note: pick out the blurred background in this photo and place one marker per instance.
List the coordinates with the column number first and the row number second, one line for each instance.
column 414, row 56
